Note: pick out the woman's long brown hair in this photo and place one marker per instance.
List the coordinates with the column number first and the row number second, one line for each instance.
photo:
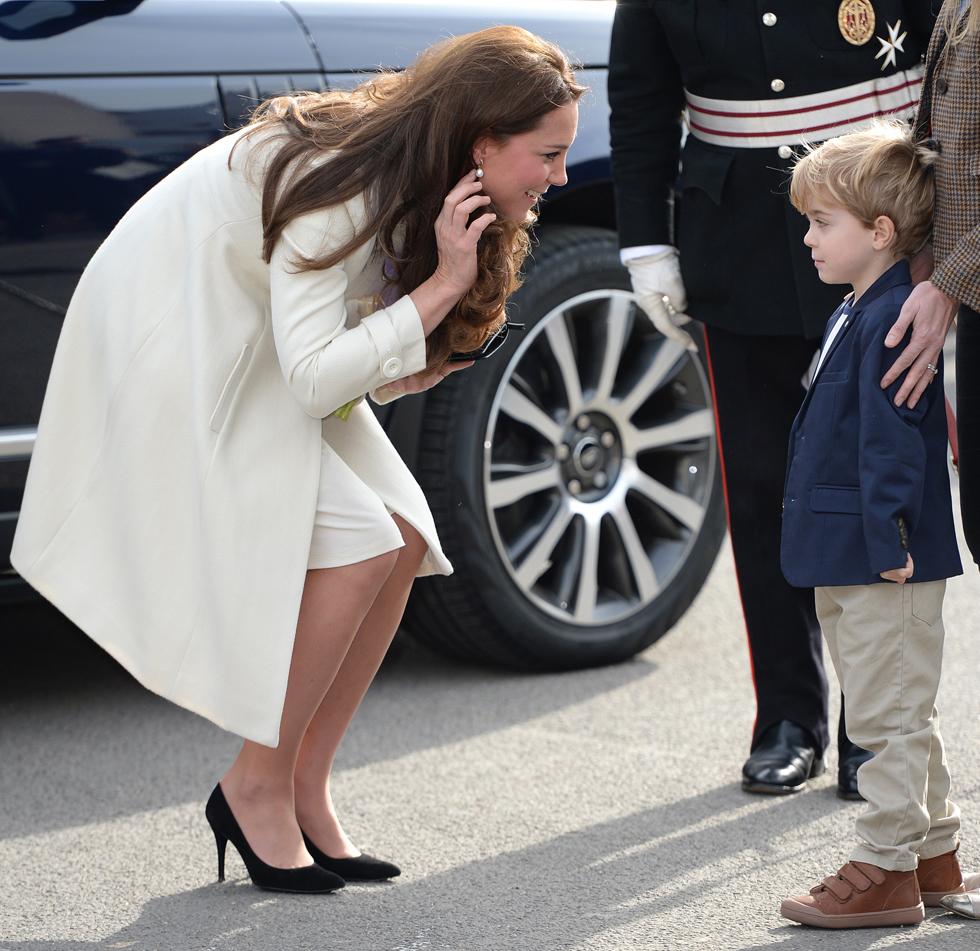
column 404, row 140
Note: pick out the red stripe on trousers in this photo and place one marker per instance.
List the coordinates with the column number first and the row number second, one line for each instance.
column 728, row 517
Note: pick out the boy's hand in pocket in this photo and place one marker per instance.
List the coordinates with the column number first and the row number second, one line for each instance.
column 900, row 575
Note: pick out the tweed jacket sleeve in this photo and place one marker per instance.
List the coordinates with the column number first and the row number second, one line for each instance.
column 959, row 274
column 950, row 115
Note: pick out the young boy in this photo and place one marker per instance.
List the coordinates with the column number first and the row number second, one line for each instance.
column 867, row 522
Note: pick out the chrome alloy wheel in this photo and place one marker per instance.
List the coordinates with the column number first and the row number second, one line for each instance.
column 599, row 456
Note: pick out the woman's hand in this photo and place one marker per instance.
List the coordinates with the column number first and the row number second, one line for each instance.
column 900, row 575
column 456, row 241
column 425, row 380
column 930, row 312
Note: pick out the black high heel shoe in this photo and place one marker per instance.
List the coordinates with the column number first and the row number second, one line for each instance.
column 363, row 868
column 310, row 879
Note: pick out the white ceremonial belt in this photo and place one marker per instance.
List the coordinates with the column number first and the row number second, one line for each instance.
column 764, row 123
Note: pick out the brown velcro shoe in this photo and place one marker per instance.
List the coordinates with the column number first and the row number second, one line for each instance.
column 939, row 876
column 860, row 895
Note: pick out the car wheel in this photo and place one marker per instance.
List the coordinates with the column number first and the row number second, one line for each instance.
column 573, row 476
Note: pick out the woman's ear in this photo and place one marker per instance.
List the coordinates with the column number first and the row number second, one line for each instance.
column 884, row 233
column 479, row 151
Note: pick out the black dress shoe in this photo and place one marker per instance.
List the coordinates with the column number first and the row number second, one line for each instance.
column 849, row 760
column 362, row 868
column 783, row 760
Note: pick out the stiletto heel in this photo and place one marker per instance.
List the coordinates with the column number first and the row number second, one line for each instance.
column 311, row 879
column 221, row 842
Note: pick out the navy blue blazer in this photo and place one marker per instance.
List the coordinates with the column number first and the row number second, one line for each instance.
column 867, row 481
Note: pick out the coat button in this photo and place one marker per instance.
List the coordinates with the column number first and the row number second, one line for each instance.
column 769, row 19
column 392, row 367
column 777, row 85
column 942, row 86
column 784, row 151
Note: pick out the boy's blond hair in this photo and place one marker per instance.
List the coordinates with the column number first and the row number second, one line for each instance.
column 878, row 170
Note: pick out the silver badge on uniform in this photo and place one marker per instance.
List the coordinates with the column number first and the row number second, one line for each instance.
column 892, row 45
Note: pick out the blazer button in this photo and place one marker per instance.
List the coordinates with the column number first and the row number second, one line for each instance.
column 392, row 367
column 942, row 86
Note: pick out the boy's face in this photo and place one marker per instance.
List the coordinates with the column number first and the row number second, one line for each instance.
column 842, row 246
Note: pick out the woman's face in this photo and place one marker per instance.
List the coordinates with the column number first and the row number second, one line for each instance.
column 519, row 170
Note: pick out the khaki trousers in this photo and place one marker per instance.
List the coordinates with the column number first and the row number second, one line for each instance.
column 886, row 642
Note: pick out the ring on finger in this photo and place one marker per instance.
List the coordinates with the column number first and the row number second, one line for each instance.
column 932, row 368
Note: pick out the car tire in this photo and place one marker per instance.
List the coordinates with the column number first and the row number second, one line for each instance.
column 499, row 422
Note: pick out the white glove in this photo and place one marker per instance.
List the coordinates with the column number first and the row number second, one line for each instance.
column 657, row 284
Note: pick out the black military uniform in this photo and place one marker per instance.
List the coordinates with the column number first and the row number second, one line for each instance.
column 755, row 79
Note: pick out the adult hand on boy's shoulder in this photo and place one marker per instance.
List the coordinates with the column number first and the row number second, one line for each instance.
column 929, row 312
column 900, row 575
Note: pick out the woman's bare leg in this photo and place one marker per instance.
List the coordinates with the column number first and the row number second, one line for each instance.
column 314, row 808
column 259, row 784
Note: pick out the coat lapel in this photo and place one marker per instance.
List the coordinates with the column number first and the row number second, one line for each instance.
column 836, row 342
column 898, row 273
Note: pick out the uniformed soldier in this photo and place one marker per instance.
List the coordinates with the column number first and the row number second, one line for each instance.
column 752, row 80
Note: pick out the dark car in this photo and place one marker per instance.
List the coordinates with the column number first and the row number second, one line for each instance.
column 573, row 477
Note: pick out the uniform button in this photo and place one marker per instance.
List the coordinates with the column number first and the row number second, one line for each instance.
column 769, row 19
column 784, row 151
column 777, row 85
column 392, row 367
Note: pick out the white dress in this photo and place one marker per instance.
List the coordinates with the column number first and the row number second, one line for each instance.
column 357, row 494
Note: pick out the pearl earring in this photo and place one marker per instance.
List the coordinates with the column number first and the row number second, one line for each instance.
column 479, row 171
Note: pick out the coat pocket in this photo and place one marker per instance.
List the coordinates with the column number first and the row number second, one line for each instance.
column 841, row 499
column 705, row 168
column 230, row 388
column 927, row 601
column 706, row 229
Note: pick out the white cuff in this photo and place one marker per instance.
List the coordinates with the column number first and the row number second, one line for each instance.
column 642, row 251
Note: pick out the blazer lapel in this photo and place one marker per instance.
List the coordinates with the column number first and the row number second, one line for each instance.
column 898, row 273
column 835, row 343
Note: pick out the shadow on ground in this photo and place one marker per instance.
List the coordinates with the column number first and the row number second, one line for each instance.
column 85, row 716
column 552, row 896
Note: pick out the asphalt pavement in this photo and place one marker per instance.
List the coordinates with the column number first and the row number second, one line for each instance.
column 589, row 810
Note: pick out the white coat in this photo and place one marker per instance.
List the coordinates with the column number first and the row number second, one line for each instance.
column 171, row 495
